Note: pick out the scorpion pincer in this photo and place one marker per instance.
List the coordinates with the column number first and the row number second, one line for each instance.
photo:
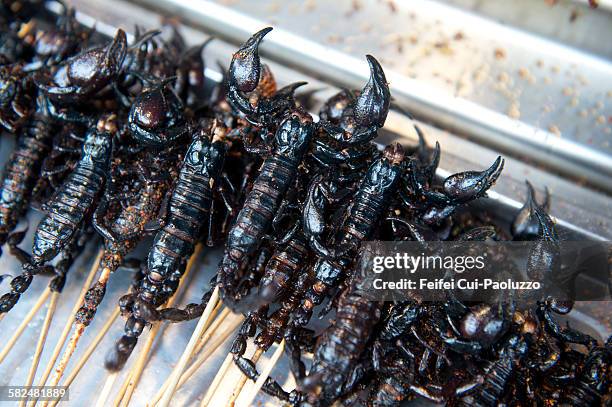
column 245, row 73
column 264, row 200
column 189, row 208
column 82, row 76
column 68, row 210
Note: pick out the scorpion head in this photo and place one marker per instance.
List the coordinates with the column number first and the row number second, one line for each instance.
column 98, row 143
column 484, row 323
column 85, row 74
column 385, row 171
column 204, row 156
column 294, row 134
column 156, row 115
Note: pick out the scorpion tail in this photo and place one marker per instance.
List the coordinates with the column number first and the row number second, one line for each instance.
column 246, row 67
column 118, row 356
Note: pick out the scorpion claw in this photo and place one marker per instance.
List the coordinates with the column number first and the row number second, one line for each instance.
column 372, row 105
column 245, row 67
column 466, row 186
column 526, row 223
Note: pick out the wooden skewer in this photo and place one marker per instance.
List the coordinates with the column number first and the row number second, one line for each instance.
column 94, row 344
column 227, row 363
column 211, row 329
column 76, row 335
column 131, row 381
column 256, row 355
column 202, row 358
column 108, row 386
column 68, row 325
column 41, row 341
column 186, row 356
column 11, row 342
column 264, row 375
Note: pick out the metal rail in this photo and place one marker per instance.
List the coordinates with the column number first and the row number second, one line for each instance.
column 459, row 115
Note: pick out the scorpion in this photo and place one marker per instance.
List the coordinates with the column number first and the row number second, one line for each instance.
column 68, row 210
column 189, row 207
column 21, row 171
column 263, row 201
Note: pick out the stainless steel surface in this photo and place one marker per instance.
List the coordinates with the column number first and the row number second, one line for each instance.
column 581, row 212
column 460, row 71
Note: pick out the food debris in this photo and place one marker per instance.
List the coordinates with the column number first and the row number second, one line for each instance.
column 458, row 36
column 526, row 74
column 514, row 111
column 503, row 77
column 601, row 119
column 499, row 53
column 554, row 130
column 568, row 91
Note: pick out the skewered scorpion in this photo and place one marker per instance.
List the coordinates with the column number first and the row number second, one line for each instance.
column 68, row 210
column 189, row 207
column 263, row 202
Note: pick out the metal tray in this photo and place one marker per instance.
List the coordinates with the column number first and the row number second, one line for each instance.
column 467, row 116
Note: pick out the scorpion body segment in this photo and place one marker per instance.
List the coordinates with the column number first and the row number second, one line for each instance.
column 264, row 200
column 66, row 211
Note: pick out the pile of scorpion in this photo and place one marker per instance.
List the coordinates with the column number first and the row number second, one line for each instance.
column 122, row 141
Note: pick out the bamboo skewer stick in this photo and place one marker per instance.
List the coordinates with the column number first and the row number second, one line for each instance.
column 238, row 389
column 106, row 390
column 263, row 376
column 11, row 342
column 41, row 341
column 68, row 325
column 186, row 356
column 131, row 381
column 227, row 363
column 77, row 333
column 211, row 329
column 81, row 362
column 203, row 357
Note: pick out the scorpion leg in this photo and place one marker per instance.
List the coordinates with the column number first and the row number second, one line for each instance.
column 99, row 224
column 20, row 283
